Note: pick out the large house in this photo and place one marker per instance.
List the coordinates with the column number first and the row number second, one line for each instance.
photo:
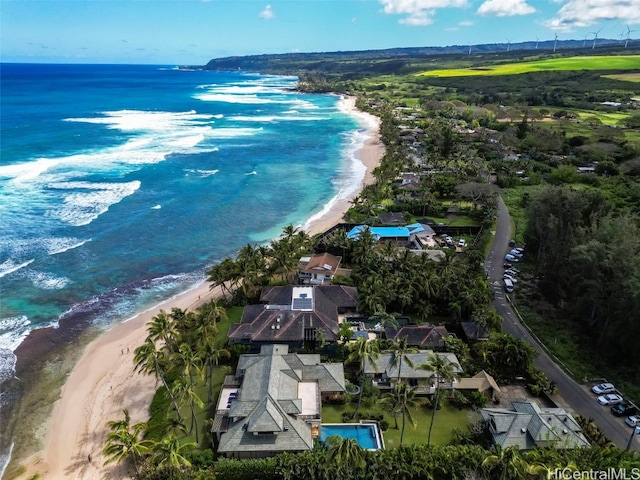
column 385, row 369
column 318, row 269
column 294, row 315
column 273, row 403
column 528, row 426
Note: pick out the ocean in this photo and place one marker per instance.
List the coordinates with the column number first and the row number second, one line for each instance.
column 121, row 184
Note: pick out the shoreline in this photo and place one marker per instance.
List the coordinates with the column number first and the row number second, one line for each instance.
column 103, row 382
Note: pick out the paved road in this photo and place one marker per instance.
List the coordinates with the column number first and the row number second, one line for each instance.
column 570, row 394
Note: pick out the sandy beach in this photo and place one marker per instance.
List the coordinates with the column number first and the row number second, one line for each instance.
column 103, row 381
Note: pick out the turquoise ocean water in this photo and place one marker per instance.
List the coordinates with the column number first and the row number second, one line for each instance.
column 119, row 185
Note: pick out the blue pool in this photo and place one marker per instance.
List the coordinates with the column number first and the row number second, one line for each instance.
column 366, row 434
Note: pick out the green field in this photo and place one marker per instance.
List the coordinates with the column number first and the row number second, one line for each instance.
column 610, row 62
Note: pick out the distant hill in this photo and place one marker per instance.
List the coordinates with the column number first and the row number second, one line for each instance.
column 405, row 60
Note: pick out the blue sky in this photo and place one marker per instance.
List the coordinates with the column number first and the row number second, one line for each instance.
column 191, row 32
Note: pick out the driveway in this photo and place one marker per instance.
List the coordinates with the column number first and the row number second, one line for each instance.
column 571, row 395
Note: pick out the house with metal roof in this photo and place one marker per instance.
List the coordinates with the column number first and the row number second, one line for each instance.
column 385, row 369
column 294, row 315
column 406, row 233
column 273, row 403
column 528, row 426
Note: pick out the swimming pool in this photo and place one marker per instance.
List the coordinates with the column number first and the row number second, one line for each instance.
column 366, row 434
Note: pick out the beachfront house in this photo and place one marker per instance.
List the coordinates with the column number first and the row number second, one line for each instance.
column 528, row 426
column 318, row 269
column 298, row 316
column 385, row 373
column 273, row 403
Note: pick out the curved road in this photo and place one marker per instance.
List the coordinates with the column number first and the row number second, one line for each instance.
column 571, row 395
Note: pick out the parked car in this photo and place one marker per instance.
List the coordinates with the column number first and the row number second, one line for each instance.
column 510, row 258
column 506, row 276
column 462, row 243
column 512, row 243
column 610, row 399
column 633, row 421
column 448, row 240
column 507, row 265
column 624, row 410
column 603, row 388
column 515, row 252
column 508, row 285
column 511, row 272
column 520, row 249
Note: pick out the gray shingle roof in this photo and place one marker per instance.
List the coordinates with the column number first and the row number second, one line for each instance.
column 264, row 417
column 527, row 426
column 384, row 361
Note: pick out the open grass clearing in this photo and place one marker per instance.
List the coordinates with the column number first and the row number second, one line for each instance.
column 606, row 62
column 625, row 77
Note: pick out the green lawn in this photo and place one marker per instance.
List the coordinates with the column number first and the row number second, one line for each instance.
column 608, row 62
column 447, row 418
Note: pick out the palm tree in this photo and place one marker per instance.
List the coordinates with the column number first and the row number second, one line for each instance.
column 400, row 352
column 347, row 454
column 399, row 400
column 363, row 352
column 443, row 371
column 506, row 464
column 150, row 361
column 124, row 442
column 168, row 451
column 186, row 391
column 162, row 327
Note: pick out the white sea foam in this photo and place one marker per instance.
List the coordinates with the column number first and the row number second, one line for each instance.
column 9, row 266
column 47, row 281
column 137, row 120
column 252, row 173
column 55, row 246
column 231, row 98
column 81, row 208
column 202, row 173
column 276, row 118
column 156, row 207
column 22, row 172
column 234, row 132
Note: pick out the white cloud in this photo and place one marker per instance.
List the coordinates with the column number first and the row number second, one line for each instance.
column 267, row 13
column 582, row 13
column 418, row 12
column 465, row 23
column 505, row 8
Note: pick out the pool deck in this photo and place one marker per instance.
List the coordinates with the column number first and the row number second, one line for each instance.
column 375, row 429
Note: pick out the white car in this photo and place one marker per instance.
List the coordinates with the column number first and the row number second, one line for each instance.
column 511, row 272
column 510, row 258
column 462, row 243
column 610, row 399
column 516, row 253
column 633, row 421
column 603, row 388
column 509, row 277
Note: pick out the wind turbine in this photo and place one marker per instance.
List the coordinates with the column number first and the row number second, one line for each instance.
column 536, row 42
column 469, row 49
column 555, row 43
column 595, row 38
column 508, row 44
column 584, row 42
column 626, row 41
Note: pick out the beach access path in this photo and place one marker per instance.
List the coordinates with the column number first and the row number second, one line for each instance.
column 103, row 382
